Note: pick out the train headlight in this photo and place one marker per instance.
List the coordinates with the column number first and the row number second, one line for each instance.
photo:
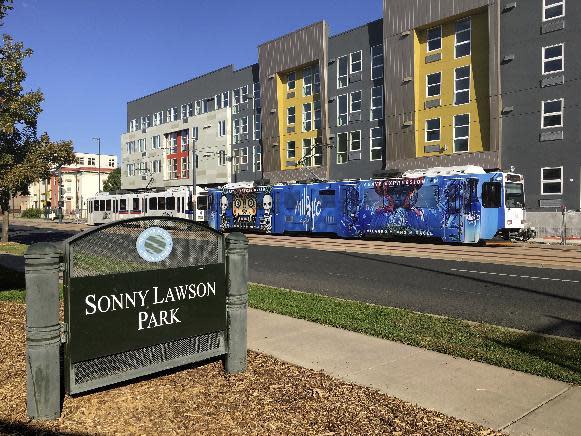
column 509, row 222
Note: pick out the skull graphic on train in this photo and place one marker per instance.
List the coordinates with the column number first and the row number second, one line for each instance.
column 244, row 209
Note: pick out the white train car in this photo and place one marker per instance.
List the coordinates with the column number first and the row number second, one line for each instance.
column 174, row 202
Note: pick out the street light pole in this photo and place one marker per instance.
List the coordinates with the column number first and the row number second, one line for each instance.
column 99, row 163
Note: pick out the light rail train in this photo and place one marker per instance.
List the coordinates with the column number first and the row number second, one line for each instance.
column 175, row 202
column 455, row 204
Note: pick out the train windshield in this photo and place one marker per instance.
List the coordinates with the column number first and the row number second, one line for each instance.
column 202, row 202
column 514, row 195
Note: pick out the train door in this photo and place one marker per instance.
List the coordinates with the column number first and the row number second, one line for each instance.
column 324, row 203
column 462, row 211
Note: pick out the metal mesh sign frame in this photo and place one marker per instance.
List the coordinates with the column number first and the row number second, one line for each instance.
column 120, row 336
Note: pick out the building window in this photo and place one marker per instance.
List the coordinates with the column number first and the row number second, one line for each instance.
column 185, row 167
column 355, row 98
column 130, row 147
column 145, row 122
column 462, row 85
column 171, row 114
column 222, row 128
column 462, row 44
column 257, row 159
column 236, row 160
column 434, row 38
column 553, row 9
column 156, row 166
column 256, row 95
column 157, row 118
column 184, row 110
column 461, row 133
column 290, row 150
column 552, row 180
column 356, row 62
column 190, row 109
column 130, row 170
column 312, row 152
column 433, row 84
column 81, row 160
column 355, row 140
column 433, row 130
column 244, row 125
column 290, row 116
column 244, row 94
column 552, row 113
column 291, row 81
column 155, row 142
column 342, row 108
column 221, row 100
column 256, row 130
column 244, row 156
column 377, row 62
column 133, row 125
column 376, row 143
column 236, row 101
column 172, row 142
column 91, row 161
column 195, row 133
column 307, row 117
column 317, row 80
column 173, row 169
column 200, row 107
column 308, row 81
column 342, row 65
column 553, row 58
column 317, row 115
column 184, row 140
column 222, row 158
column 141, row 145
column 377, row 103
column 342, row 148
column 236, row 134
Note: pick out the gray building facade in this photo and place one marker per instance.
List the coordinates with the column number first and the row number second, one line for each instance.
column 356, row 96
column 541, row 102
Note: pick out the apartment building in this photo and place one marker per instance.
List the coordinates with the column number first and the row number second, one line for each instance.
column 202, row 132
column 79, row 180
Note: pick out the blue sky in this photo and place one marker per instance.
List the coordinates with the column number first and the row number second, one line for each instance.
column 93, row 56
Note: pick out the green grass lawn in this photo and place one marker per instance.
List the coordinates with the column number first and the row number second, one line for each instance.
column 13, row 248
column 551, row 357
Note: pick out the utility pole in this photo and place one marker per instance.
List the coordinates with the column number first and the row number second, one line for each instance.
column 99, row 163
column 61, row 189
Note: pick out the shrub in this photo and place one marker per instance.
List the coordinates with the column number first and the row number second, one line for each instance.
column 32, row 213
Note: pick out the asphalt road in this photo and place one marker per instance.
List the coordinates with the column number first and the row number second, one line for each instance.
column 534, row 299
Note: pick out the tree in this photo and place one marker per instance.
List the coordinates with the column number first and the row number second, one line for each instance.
column 113, row 182
column 24, row 157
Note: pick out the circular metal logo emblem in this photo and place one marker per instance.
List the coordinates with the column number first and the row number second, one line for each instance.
column 154, row 244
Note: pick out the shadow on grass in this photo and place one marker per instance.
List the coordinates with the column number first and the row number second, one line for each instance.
column 30, row 428
column 11, row 279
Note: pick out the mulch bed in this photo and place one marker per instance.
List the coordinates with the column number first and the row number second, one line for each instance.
column 271, row 397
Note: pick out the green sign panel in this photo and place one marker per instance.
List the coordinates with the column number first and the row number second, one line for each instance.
column 128, row 311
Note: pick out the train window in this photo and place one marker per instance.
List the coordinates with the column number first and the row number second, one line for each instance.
column 90, row 206
column 123, row 205
column 144, row 203
column 514, row 195
column 115, row 202
column 202, row 202
column 160, row 203
column 491, row 195
column 153, row 203
column 97, row 209
column 136, row 204
column 102, row 205
column 170, row 203
column 108, row 205
column 290, row 200
column 327, row 197
column 427, row 197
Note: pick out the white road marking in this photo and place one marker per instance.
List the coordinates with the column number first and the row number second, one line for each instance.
column 516, row 275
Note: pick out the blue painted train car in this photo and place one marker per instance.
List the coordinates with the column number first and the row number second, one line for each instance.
column 464, row 205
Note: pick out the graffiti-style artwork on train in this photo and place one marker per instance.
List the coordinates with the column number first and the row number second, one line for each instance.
column 247, row 208
column 390, row 207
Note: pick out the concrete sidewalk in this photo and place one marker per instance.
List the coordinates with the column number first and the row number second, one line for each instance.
column 499, row 398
